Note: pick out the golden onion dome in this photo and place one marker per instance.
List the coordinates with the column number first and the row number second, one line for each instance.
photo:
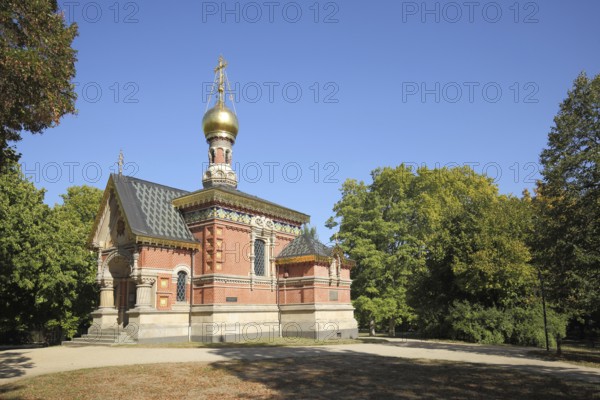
column 220, row 121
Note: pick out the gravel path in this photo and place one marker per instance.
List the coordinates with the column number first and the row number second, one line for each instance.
column 19, row 363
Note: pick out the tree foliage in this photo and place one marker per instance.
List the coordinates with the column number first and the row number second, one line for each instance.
column 24, row 271
column 428, row 241
column 568, row 200
column 47, row 273
column 375, row 231
column 71, row 224
column 37, row 65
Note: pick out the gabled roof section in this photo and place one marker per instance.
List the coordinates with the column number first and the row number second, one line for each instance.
column 305, row 248
column 149, row 210
column 235, row 198
column 305, row 245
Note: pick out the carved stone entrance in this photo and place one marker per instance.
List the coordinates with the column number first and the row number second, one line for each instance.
column 125, row 295
column 117, row 290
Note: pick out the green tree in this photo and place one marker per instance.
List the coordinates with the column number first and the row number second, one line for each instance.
column 37, row 65
column 427, row 241
column 568, row 202
column 23, row 267
column 475, row 247
column 46, row 270
column 71, row 224
column 375, row 230
column 310, row 231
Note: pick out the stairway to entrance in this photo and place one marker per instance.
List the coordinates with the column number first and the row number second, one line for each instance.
column 105, row 337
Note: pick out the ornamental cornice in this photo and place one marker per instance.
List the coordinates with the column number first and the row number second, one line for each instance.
column 156, row 241
column 214, row 212
column 243, row 202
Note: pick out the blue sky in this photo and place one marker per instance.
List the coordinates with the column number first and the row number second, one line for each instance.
column 325, row 91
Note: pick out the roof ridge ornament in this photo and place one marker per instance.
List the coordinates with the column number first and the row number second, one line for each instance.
column 120, row 162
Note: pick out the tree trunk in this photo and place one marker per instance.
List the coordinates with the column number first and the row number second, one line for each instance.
column 392, row 328
column 558, row 345
column 372, row 327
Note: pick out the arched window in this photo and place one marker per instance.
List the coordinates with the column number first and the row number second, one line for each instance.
column 181, row 285
column 259, row 257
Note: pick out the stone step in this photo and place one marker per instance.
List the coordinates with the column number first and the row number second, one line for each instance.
column 107, row 337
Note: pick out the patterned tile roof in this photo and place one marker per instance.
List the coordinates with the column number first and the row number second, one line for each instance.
column 149, row 210
column 305, row 245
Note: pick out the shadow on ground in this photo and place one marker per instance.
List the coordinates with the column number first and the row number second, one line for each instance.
column 13, row 364
column 316, row 373
column 357, row 375
column 488, row 350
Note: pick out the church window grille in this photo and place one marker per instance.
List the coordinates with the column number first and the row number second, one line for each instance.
column 181, row 285
column 259, row 257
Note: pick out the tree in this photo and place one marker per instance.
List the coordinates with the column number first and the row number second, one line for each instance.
column 375, row 230
column 475, row 248
column 310, row 231
column 71, row 224
column 23, row 268
column 46, row 271
column 568, row 202
column 37, row 65
column 430, row 242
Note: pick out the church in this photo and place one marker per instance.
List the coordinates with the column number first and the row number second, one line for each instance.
column 212, row 265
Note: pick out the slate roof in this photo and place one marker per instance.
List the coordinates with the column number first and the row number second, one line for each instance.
column 148, row 208
column 305, row 245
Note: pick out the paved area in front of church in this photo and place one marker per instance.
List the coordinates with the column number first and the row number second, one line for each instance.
column 19, row 363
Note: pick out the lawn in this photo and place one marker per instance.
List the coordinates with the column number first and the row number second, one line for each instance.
column 355, row 376
column 574, row 354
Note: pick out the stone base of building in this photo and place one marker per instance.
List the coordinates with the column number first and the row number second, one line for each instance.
column 319, row 321
column 104, row 318
column 227, row 323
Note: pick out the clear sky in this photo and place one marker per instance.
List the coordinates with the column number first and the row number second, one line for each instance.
column 325, row 90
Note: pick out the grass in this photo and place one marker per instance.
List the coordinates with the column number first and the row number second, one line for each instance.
column 574, row 354
column 352, row 375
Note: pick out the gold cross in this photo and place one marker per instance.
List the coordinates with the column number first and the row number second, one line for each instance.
column 221, row 70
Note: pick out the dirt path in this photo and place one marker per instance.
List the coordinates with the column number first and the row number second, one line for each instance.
column 17, row 364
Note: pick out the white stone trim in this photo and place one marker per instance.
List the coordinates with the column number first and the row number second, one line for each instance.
column 188, row 281
column 181, row 267
column 316, row 307
column 263, row 229
column 222, row 308
column 222, row 278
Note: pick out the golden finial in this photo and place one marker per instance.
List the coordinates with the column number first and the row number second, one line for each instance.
column 120, row 162
column 221, row 70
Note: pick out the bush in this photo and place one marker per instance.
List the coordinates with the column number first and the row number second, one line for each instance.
column 474, row 323
column 491, row 325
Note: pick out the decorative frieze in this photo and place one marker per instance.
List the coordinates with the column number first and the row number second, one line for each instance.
column 235, row 216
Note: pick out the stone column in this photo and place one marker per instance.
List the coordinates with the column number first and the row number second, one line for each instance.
column 272, row 270
column 107, row 295
column 99, row 266
column 143, row 294
column 252, row 239
column 135, row 270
